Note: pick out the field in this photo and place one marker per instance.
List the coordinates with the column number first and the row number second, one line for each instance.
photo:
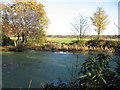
column 61, row 40
column 69, row 40
column 64, row 40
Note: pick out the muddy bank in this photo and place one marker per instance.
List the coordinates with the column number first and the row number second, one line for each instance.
column 6, row 48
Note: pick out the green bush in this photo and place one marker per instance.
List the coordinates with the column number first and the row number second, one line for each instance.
column 97, row 73
column 94, row 70
column 96, row 43
column 6, row 41
column 79, row 42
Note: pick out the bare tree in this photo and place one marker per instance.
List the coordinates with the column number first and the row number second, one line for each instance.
column 79, row 26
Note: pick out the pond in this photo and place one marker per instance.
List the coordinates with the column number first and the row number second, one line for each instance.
column 21, row 67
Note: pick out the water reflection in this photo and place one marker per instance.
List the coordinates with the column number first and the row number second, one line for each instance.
column 92, row 53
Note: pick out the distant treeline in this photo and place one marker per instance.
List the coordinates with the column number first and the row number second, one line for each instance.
column 86, row 36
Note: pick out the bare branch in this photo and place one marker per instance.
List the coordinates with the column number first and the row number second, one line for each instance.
column 117, row 26
column 77, row 29
column 80, row 24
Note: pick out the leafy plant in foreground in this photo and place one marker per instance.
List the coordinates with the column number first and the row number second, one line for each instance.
column 95, row 73
column 94, row 69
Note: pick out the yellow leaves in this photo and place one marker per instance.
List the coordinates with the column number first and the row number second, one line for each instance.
column 41, row 11
column 23, row 5
column 1, row 19
column 34, row 3
column 100, row 19
column 40, row 6
column 25, row 0
column 28, row 14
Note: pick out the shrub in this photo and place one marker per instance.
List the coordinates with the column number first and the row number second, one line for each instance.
column 94, row 69
column 96, row 43
column 79, row 42
column 6, row 41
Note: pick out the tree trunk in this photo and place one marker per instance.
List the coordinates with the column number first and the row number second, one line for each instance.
column 98, row 34
column 23, row 37
column 18, row 38
column 78, row 37
column 80, row 32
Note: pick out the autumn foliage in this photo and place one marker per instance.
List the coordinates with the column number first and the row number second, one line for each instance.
column 24, row 20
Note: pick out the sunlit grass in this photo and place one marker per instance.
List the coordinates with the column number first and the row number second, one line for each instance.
column 63, row 40
column 113, row 39
column 69, row 40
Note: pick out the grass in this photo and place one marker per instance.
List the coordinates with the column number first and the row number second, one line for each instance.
column 69, row 40
column 64, row 40
column 61, row 40
column 113, row 39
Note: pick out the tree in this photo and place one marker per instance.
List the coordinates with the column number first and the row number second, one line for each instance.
column 79, row 26
column 26, row 20
column 100, row 21
column 4, row 18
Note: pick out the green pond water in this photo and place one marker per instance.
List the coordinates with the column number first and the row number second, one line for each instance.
column 21, row 67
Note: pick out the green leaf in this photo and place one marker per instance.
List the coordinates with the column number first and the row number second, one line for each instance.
column 89, row 74
column 83, row 76
column 104, row 80
column 94, row 76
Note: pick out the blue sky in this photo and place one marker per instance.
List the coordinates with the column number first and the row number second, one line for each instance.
column 62, row 12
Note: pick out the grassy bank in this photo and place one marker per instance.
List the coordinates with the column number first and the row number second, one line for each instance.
column 68, row 44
